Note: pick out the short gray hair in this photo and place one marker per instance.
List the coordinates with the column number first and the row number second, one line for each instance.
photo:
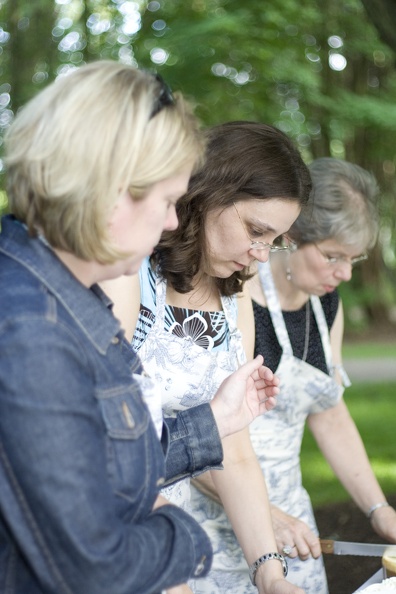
column 343, row 205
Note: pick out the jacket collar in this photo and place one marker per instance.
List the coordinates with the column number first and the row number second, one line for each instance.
column 90, row 308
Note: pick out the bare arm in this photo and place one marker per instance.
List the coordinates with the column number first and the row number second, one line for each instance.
column 241, row 487
column 125, row 294
column 246, row 321
column 243, row 493
column 340, row 442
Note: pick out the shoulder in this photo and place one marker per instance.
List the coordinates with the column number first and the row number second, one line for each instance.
column 22, row 295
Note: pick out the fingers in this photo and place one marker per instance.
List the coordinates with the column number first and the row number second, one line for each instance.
column 304, row 547
column 267, row 404
column 294, row 538
column 268, row 375
column 251, row 368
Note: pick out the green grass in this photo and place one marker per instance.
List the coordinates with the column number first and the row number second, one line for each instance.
column 373, row 407
column 368, row 349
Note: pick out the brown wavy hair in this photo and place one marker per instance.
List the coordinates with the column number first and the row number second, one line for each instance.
column 244, row 161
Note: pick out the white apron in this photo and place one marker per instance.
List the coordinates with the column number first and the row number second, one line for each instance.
column 276, row 438
column 188, row 373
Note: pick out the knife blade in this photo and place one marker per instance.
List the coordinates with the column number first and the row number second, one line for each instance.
column 338, row 547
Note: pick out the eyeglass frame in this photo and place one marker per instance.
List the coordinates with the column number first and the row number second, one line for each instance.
column 165, row 97
column 262, row 245
column 334, row 260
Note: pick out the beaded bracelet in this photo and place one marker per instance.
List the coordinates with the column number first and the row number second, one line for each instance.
column 254, row 566
column 376, row 506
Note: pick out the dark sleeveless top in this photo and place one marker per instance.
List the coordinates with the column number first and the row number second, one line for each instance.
column 266, row 342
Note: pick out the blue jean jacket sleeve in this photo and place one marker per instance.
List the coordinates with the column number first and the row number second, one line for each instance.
column 78, row 482
column 193, row 443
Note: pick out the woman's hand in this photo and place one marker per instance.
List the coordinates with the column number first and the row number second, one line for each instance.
column 291, row 532
column 247, row 393
column 383, row 522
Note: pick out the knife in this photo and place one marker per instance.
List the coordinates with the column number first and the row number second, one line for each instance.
column 338, row 547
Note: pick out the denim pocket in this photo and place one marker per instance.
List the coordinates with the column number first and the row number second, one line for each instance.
column 133, row 462
column 124, row 414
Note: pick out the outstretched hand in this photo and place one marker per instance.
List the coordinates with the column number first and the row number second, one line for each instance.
column 247, row 393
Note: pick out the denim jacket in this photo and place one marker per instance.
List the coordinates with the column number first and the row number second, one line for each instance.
column 80, row 463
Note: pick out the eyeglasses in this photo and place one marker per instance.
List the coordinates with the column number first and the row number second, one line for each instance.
column 164, row 98
column 334, row 260
column 282, row 242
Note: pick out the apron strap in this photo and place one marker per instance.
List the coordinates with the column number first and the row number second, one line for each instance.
column 325, row 337
column 230, row 308
column 279, row 325
column 274, row 307
column 160, row 301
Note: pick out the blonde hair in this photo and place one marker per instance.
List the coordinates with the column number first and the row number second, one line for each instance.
column 85, row 139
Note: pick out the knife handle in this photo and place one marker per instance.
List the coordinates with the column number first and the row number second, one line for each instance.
column 327, row 546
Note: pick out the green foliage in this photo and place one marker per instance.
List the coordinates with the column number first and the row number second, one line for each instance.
column 318, row 71
column 372, row 408
column 361, row 350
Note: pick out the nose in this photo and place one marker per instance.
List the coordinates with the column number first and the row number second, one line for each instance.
column 171, row 221
column 261, row 255
column 343, row 271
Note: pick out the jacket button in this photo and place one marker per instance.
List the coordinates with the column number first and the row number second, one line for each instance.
column 160, row 481
column 115, row 340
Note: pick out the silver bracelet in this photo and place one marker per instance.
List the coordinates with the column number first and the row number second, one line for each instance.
column 254, row 566
column 376, row 506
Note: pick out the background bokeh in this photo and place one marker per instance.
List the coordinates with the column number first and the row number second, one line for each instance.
column 323, row 71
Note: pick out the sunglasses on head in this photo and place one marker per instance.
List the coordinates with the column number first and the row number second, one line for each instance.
column 165, row 96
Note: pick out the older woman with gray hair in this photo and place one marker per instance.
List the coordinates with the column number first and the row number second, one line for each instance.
column 299, row 329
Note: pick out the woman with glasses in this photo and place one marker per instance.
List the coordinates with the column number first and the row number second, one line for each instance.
column 192, row 322
column 95, row 165
column 299, row 328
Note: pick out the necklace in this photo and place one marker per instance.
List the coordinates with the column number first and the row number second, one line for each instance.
column 307, row 329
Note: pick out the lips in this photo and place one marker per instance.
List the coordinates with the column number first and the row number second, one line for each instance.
column 240, row 266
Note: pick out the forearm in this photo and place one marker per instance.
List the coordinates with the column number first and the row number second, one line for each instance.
column 242, row 490
column 342, row 446
column 204, row 483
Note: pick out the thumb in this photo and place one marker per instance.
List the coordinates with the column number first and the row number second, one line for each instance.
column 247, row 369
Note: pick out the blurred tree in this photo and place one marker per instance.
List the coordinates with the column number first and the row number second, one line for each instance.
column 319, row 71
column 383, row 15
column 29, row 61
